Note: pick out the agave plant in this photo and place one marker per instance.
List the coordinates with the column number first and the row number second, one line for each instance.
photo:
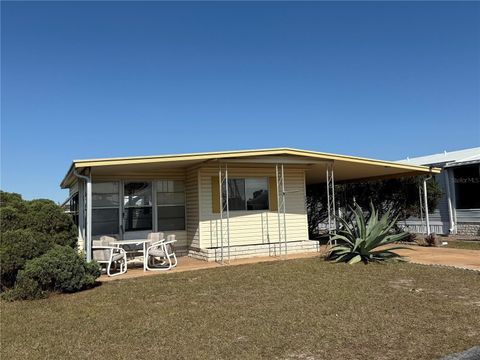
column 360, row 239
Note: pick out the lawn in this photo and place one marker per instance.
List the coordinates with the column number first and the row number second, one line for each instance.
column 296, row 309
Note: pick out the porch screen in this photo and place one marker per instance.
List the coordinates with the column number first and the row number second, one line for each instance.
column 137, row 201
column 170, row 205
column 105, row 208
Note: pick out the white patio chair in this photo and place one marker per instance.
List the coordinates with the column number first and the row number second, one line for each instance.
column 105, row 253
column 163, row 250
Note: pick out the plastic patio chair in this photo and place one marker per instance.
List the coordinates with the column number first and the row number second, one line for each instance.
column 161, row 249
column 105, row 253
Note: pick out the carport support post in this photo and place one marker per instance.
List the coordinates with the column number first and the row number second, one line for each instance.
column 281, row 208
column 427, row 219
column 331, row 198
column 421, row 207
column 89, row 218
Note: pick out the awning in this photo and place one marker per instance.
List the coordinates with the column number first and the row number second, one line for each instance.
column 347, row 168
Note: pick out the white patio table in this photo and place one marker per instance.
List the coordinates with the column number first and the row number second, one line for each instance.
column 144, row 242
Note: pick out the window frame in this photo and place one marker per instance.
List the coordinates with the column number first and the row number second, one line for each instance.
column 119, row 207
column 124, row 207
column 245, row 193
column 157, row 205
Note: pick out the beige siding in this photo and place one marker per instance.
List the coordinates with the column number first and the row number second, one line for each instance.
column 254, row 227
column 192, row 197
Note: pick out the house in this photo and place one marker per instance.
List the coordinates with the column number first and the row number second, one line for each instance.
column 458, row 211
column 220, row 205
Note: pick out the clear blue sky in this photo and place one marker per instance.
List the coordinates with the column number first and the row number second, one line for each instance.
column 92, row 79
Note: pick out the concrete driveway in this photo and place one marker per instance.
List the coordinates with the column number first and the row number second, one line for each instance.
column 460, row 258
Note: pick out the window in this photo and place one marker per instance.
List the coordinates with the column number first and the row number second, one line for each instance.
column 467, row 187
column 256, row 190
column 247, row 194
column 236, row 194
column 74, row 208
column 137, row 202
column 170, row 205
column 105, row 208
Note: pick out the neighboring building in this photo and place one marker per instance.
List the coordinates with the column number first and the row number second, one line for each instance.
column 459, row 209
column 186, row 195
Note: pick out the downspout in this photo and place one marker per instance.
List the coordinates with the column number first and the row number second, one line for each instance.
column 427, row 218
column 451, row 230
column 88, row 222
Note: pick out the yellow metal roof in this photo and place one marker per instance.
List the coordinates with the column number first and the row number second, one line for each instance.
column 201, row 157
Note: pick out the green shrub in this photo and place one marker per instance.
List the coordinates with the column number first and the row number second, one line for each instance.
column 39, row 215
column 61, row 269
column 29, row 229
column 11, row 219
column 16, row 248
column 362, row 237
column 47, row 217
column 12, row 199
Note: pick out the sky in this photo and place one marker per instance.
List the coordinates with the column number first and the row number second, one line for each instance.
column 81, row 80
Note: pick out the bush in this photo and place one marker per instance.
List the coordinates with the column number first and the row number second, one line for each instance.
column 12, row 211
column 16, row 248
column 431, row 240
column 29, row 229
column 61, row 269
column 47, row 217
column 411, row 237
column 40, row 215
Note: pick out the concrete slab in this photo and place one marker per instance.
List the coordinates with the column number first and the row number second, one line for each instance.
column 459, row 258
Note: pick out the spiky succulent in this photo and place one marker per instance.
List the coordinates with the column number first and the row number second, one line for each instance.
column 360, row 239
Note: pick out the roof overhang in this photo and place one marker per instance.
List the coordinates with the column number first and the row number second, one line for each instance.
column 347, row 168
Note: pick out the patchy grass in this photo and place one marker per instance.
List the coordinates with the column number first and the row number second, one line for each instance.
column 296, row 309
column 463, row 244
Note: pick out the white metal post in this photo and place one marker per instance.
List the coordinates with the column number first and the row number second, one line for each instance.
column 282, row 228
column 426, row 204
column 220, row 182
column 331, row 207
column 228, row 213
column 224, row 212
column 333, row 198
column 284, row 210
column 277, row 176
column 451, row 229
column 328, row 199
column 421, row 207
column 89, row 218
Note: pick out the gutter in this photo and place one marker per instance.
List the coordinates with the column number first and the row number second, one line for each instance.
column 88, row 222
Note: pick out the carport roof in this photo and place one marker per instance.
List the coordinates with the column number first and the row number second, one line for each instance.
column 347, row 168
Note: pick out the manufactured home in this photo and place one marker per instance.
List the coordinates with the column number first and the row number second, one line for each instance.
column 219, row 205
column 459, row 209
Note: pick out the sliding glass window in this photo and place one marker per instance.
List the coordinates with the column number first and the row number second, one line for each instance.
column 170, row 205
column 105, row 208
